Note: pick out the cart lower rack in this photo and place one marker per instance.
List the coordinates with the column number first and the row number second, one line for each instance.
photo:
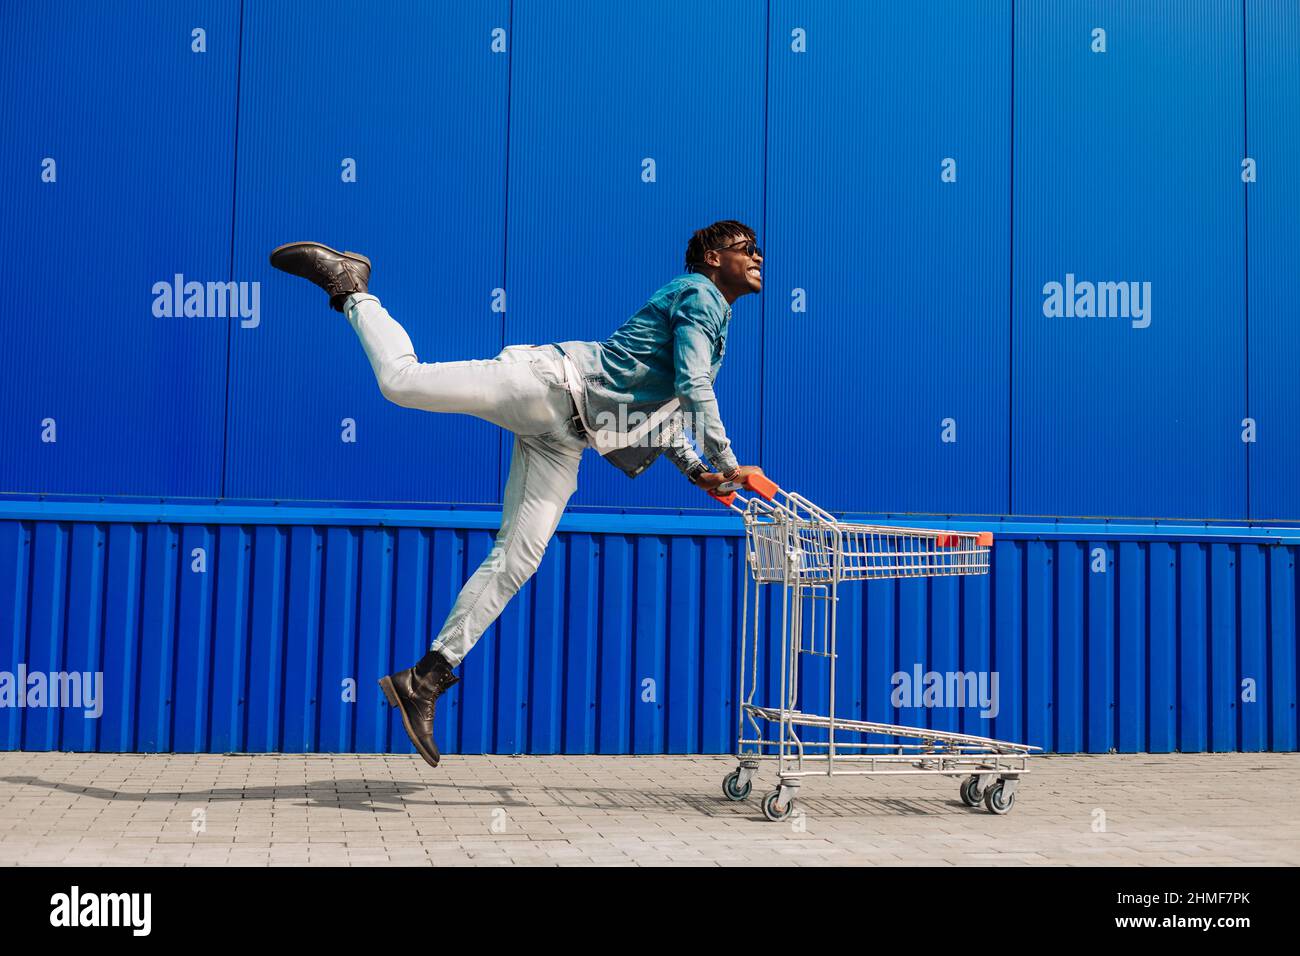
column 791, row 542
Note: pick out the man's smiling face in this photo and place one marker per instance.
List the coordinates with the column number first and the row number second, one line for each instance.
column 740, row 267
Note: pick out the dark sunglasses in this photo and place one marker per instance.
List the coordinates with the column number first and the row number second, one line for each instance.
column 750, row 249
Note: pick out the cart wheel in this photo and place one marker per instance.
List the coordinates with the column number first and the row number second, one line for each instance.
column 970, row 792
column 995, row 802
column 772, row 812
column 732, row 789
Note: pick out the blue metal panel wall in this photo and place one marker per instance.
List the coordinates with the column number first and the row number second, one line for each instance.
column 139, row 129
column 495, row 164
column 1127, row 170
column 626, row 639
column 594, row 229
column 414, row 94
column 886, row 351
column 1273, row 217
column 492, row 141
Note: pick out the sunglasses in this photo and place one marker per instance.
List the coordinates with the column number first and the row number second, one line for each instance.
column 750, row 248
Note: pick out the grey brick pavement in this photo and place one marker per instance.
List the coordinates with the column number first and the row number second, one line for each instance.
column 365, row 810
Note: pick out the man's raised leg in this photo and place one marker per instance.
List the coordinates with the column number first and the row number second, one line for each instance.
column 504, row 390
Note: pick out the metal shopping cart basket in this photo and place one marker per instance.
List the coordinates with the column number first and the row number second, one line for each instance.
column 791, row 542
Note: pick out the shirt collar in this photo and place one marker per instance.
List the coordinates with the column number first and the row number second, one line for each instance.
column 726, row 306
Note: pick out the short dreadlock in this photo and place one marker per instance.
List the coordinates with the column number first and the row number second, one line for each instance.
column 721, row 233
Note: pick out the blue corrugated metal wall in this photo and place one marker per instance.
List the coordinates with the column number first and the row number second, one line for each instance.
column 551, row 159
column 1128, row 169
column 1129, row 640
column 411, row 93
column 1273, row 235
column 115, row 174
column 916, row 173
column 598, row 94
column 902, row 326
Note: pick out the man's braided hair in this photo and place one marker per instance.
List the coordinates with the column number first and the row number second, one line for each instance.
column 721, row 233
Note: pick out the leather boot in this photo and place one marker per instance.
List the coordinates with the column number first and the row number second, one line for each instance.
column 414, row 692
column 338, row 273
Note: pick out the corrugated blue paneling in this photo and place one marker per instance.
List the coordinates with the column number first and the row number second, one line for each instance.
column 1273, row 212
column 514, row 160
column 117, row 173
column 502, row 146
column 886, row 353
column 220, row 635
column 597, row 95
column 414, row 94
column 1127, row 169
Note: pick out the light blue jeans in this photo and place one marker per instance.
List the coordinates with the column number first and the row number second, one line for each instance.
column 524, row 390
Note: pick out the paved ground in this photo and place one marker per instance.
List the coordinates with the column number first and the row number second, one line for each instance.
column 97, row 809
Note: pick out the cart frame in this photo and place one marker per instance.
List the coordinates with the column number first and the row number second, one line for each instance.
column 791, row 542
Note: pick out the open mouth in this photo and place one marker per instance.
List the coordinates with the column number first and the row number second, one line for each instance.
column 755, row 271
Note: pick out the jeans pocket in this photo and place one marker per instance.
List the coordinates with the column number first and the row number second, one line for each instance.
column 549, row 370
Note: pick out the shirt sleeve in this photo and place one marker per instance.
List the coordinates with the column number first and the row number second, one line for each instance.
column 682, row 453
column 696, row 325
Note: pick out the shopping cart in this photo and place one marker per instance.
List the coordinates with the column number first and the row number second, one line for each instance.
column 791, row 542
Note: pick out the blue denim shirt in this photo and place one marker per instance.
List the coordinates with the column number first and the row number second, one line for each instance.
column 661, row 363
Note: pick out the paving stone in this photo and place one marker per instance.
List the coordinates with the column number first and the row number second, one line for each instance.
column 78, row 809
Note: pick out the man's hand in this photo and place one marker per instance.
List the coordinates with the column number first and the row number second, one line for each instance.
column 711, row 480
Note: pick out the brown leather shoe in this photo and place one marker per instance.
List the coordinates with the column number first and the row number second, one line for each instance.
column 338, row 273
column 414, row 692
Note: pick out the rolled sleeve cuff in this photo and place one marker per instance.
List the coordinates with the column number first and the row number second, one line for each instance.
column 725, row 462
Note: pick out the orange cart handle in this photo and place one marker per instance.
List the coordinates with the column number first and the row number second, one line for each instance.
column 759, row 484
column 983, row 539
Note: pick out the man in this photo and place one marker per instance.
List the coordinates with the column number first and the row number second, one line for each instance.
column 631, row 397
